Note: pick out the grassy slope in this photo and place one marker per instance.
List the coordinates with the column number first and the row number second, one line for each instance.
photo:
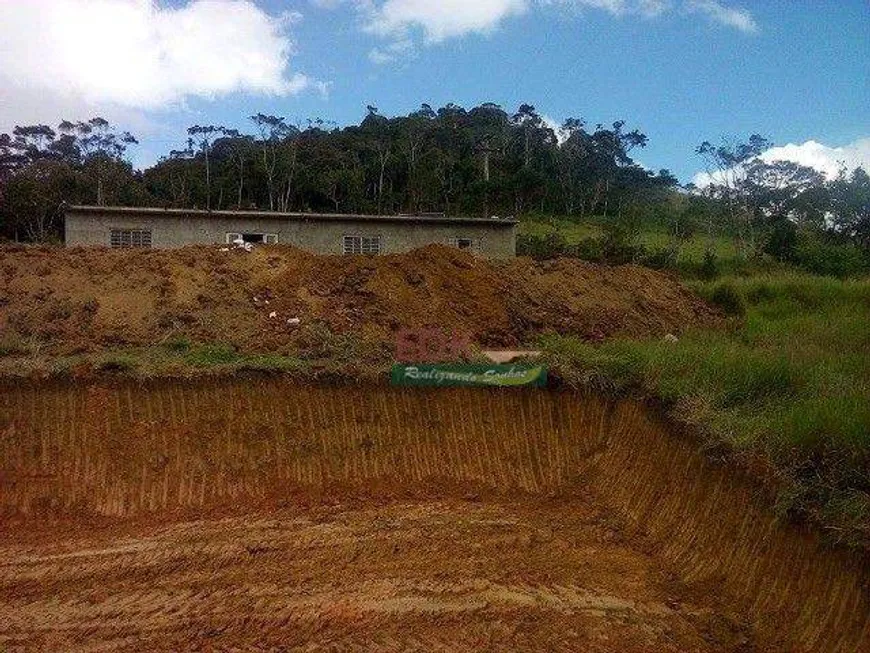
column 333, row 355
column 788, row 384
column 574, row 232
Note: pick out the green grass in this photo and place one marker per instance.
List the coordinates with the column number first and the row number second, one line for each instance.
column 571, row 230
column 320, row 351
column 168, row 359
column 650, row 243
column 691, row 251
column 788, row 383
column 211, row 355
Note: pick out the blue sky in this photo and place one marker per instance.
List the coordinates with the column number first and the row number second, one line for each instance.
column 682, row 71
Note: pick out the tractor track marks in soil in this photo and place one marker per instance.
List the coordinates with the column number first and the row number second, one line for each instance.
column 434, row 575
column 261, row 514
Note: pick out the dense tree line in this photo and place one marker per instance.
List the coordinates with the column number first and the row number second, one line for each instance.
column 482, row 161
column 41, row 167
column 766, row 204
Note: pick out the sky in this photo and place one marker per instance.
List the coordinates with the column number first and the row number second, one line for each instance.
column 681, row 71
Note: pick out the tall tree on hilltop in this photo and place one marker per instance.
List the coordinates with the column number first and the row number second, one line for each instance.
column 99, row 145
column 273, row 130
column 238, row 147
column 378, row 135
column 203, row 137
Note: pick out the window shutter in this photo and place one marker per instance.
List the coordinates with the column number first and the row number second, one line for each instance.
column 123, row 238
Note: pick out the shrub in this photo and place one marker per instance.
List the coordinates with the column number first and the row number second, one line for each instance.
column 618, row 246
column 710, row 265
column 781, row 242
column 660, row 259
column 726, row 297
column 552, row 245
column 178, row 344
column 831, row 259
column 588, row 249
column 212, row 355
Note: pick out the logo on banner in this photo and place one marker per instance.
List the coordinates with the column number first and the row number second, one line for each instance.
column 430, row 357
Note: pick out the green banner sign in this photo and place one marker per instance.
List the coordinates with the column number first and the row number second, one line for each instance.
column 444, row 375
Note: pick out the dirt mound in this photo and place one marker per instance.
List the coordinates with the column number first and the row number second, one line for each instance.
column 75, row 300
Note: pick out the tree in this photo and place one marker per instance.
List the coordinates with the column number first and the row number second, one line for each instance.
column 33, row 199
column 289, row 166
column 33, row 141
column 850, row 206
column 40, row 168
column 528, row 119
column 238, row 149
column 203, row 136
column 726, row 168
column 571, row 158
column 477, row 161
column 414, row 131
column 378, row 134
column 272, row 130
column 97, row 145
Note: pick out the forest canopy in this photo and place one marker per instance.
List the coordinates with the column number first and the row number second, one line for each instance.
column 482, row 161
column 457, row 161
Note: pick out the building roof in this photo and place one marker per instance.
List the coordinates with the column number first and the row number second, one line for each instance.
column 271, row 215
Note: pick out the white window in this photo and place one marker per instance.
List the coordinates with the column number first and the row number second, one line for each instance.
column 130, row 238
column 255, row 239
column 472, row 244
column 362, row 245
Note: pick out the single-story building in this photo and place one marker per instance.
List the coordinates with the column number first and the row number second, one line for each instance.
column 324, row 233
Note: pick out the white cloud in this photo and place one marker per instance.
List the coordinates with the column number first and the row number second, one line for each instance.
column 403, row 22
column 825, row 159
column 561, row 134
column 617, row 7
column 395, row 51
column 440, row 20
column 653, row 7
column 451, row 18
column 138, row 53
column 740, row 19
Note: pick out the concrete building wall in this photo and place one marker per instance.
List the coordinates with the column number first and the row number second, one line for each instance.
column 496, row 239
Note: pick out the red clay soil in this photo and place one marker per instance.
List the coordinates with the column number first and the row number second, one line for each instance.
column 78, row 300
column 422, row 574
column 262, row 516
column 255, row 514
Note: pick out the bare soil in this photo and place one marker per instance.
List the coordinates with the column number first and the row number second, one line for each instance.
column 278, row 299
column 260, row 514
column 428, row 574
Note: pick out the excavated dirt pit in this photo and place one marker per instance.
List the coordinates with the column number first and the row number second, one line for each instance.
column 258, row 514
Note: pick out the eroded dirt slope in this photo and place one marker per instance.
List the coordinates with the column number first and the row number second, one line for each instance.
column 254, row 513
column 75, row 300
